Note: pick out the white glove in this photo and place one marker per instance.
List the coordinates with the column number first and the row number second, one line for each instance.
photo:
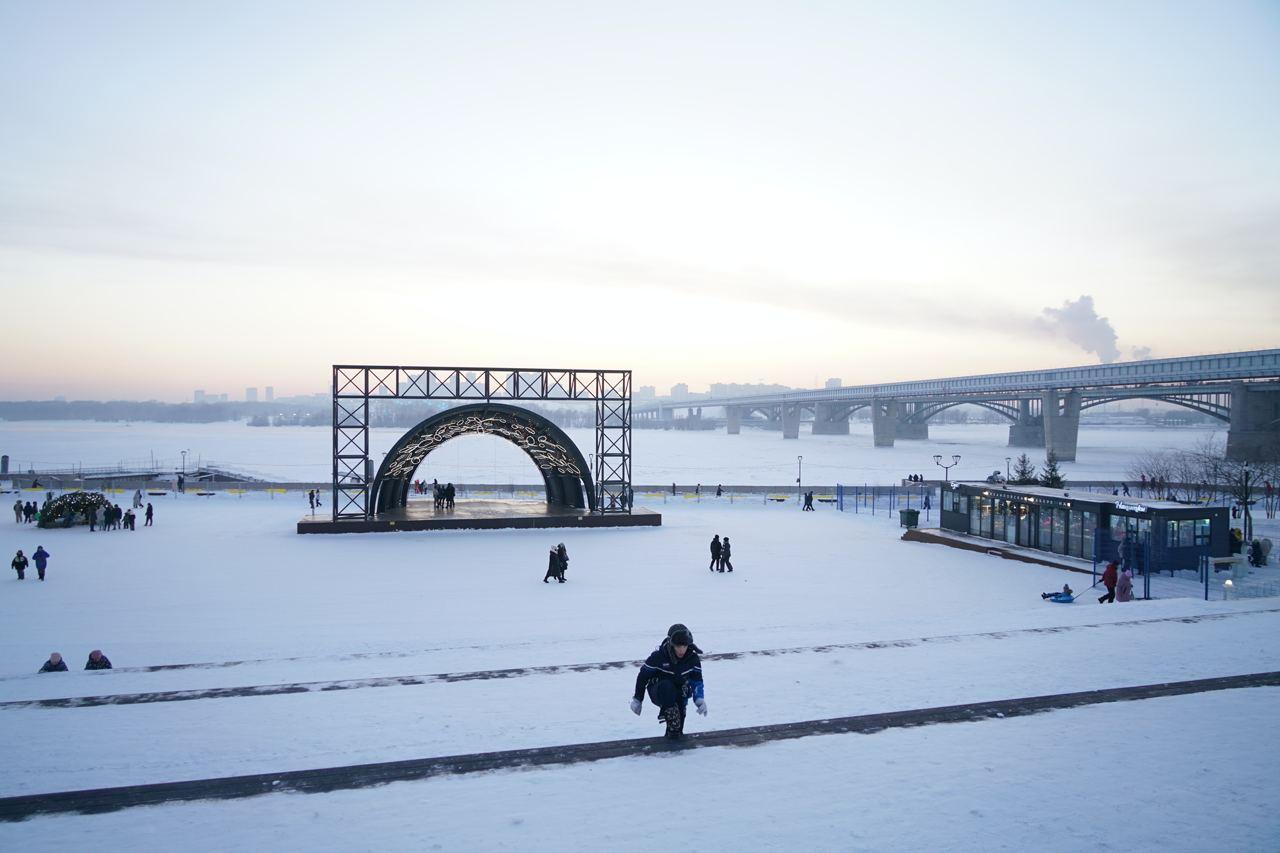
column 702, row 706
column 636, row 705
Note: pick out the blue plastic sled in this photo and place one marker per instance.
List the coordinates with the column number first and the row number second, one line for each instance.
column 1062, row 598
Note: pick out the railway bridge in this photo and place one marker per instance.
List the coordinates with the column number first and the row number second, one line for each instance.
column 1241, row 389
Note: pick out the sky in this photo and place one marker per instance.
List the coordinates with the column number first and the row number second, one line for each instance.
column 222, row 195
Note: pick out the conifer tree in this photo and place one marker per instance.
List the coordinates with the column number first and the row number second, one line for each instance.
column 1052, row 477
column 1024, row 473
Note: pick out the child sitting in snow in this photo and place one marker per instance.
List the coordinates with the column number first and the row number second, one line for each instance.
column 1066, row 590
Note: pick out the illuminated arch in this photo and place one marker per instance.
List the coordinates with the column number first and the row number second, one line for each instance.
column 564, row 470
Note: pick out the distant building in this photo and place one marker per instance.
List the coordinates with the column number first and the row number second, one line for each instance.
column 680, row 390
column 222, row 398
column 198, row 396
column 251, row 395
column 271, row 393
column 833, row 383
column 646, row 392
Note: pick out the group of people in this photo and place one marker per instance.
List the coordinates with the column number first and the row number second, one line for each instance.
column 25, row 513
column 97, row 660
column 443, row 495
column 20, row 562
column 111, row 517
column 808, row 502
column 557, row 564
column 313, row 498
column 1119, row 584
column 720, row 553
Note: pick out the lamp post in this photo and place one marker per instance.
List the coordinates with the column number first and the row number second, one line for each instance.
column 799, row 477
column 1007, row 460
column 946, row 469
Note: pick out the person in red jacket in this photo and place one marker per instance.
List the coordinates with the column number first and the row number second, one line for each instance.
column 1109, row 578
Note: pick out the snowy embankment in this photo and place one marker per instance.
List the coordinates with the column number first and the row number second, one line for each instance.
column 873, row 624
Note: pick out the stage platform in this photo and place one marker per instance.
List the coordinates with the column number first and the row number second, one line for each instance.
column 478, row 515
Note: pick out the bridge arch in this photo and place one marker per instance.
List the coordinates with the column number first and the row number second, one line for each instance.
column 929, row 410
column 564, row 470
column 1197, row 403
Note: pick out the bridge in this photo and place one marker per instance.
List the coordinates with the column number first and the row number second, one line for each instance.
column 1241, row 389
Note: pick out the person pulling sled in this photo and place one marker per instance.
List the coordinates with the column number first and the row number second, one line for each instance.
column 671, row 675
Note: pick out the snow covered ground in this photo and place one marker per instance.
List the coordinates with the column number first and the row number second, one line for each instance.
column 225, row 584
column 299, row 454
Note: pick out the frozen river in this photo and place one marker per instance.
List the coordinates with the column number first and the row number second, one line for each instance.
column 752, row 458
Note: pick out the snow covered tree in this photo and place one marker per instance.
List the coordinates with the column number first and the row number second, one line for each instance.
column 1024, row 473
column 1052, row 477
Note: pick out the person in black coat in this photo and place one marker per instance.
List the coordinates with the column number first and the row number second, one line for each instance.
column 671, row 675
column 715, row 553
column 562, row 554
column 97, row 660
column 20, row 564
column 55, row 663
column 725, row 553
column 553, row 567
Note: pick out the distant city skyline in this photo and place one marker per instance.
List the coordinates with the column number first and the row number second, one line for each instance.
column 725, row 192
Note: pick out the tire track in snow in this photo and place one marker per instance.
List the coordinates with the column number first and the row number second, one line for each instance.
column 324, row 780
column 561, row 669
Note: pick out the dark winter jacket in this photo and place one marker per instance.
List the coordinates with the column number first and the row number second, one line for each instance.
column 724, row 551
column 553, row 565
column 50, row 666
column 686, row 672
column 715, row 547
column 41, row 556
column 19, row 564
column 100, row 663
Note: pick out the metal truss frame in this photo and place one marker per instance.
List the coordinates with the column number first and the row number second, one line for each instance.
column 355, row 385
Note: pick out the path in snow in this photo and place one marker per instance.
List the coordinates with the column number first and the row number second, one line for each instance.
column 558, row 669
column 329, row 779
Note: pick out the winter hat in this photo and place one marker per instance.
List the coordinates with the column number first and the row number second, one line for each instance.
column 679, row 635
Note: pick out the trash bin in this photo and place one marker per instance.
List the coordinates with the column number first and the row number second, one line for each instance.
column 908, row 517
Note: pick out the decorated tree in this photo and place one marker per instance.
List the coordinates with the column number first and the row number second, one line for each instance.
column 71, row 509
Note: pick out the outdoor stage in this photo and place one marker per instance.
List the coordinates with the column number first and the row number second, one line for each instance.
column 478, row 515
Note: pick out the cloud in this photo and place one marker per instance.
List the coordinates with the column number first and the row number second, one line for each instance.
column 1079, row 323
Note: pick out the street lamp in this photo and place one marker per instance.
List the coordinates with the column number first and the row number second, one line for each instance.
column 946, row 469
column 1007, row 459
column 799, row 476
column 184, row 461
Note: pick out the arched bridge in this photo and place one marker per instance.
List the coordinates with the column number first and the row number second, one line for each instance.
column 1242, row 389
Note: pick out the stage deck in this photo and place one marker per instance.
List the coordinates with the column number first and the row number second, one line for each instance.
column 477, row 515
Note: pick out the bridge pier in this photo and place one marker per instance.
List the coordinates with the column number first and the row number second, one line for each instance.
column 1255, row 424
column 732, row 420
column 831, row 419
column 790, row 421
column 1029, row 429
column 908, row 426
column 884, row 422
column 1061, row 424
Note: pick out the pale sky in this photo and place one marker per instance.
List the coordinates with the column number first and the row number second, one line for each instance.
column 220, row 195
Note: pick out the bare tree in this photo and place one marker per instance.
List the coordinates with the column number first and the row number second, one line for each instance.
column 1239, row 480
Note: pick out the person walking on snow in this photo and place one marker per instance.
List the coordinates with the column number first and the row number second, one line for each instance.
column 562, row 554
column 671, row 675
column 150, row 515
column 715, row 554
column 137, row 498
column 1124, row 587
column 20, row 564
column 41, row 557
column 554, row 566
column 1109, row 580
column 17, row 511
column 725, row 565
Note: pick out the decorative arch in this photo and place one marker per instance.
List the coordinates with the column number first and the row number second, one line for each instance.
column 564, row 470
